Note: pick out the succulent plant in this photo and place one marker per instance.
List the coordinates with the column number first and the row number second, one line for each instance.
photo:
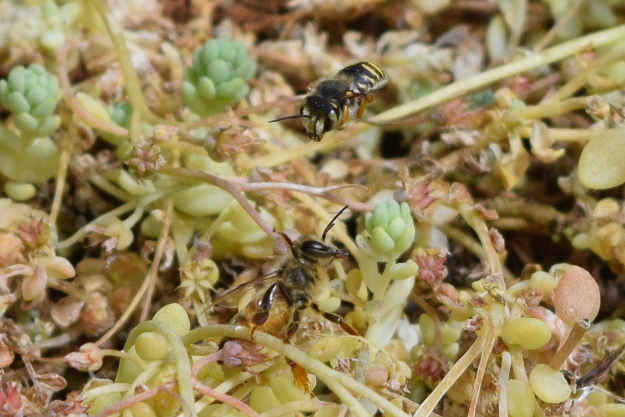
column 29, row 156
column 390, row 230
column 219, row 75
column 31, row 94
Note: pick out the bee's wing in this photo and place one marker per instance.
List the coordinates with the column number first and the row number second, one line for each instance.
column 228, row 297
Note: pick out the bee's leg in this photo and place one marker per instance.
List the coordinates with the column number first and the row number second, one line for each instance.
column 294, row 325
column 335, row 318
column 264, row 305
column 362, row 104
column 344, row 117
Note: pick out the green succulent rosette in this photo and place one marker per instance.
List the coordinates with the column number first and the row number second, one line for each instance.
column 389, row 231
column 31, row 94
column 219, row 76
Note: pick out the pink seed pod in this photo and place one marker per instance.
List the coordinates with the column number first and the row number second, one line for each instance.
column 576, row 297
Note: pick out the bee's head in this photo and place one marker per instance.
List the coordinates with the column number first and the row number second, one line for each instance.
column 315, row 251
column 322, row 113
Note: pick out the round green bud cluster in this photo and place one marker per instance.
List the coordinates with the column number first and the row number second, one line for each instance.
column 31, row 95
column 390, row 231
column 219, row 75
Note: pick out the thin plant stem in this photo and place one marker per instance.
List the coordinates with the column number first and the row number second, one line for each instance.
column 483, row 79
column 481, row 369
column 158, row 255
column 227, row 186
column 92, row 394
column 328, row 143
column 562, row 134
column 546, row 40
column 502, row 381
column 211, row 392
column 324, row 192
column 145, row 285
column 72, row 103
column 226, row 386
column 103, row 183
column 428, row 405
column 61, row 178
column 132, row 205
column 465, row 240
column 539, row 111
column 137, row 398
column 518, row 364
column 131, row 80
column 474, row 220
column 83, row 231
column 576, row 334
column 584, row 74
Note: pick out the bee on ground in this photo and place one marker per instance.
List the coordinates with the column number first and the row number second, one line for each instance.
column 332, row 101
column 300, row 279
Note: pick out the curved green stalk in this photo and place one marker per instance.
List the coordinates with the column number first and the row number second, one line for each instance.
column 480, row 80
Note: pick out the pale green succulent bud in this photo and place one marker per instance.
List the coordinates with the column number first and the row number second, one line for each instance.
column 219, row 76
column 31, row 95
column 390, row 231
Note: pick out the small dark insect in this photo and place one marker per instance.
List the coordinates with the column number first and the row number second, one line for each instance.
column 332, row 101
column 300, row 279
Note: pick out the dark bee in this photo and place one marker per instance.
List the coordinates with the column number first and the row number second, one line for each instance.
column 332, row 101
column 300, row 279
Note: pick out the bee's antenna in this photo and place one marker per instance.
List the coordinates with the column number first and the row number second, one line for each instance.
column 329, row 226
column 288, row 241
column 295, row 116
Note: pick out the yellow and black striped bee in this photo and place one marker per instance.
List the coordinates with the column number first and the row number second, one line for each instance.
column 332, row 101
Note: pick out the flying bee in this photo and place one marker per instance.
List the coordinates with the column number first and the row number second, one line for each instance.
column 299, row 281
column 332, row 101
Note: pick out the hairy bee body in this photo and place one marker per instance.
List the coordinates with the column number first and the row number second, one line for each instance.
column 332, row 101
column 300, row 280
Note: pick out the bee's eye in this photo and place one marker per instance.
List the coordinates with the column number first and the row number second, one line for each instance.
column 318, row 249
column 328, row 124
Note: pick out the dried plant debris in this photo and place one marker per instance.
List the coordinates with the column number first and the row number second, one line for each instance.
column 433, row 224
